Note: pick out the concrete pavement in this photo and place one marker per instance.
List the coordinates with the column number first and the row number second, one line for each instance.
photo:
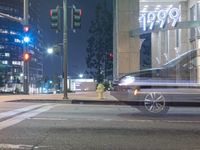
column 92, row 95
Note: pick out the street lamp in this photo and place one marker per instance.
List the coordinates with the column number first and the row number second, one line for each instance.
column 80, row 75
column 50, row 50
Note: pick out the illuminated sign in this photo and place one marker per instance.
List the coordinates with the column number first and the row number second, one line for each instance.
column 161, row 17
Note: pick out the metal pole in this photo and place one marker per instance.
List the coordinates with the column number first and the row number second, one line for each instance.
column 65, row 47
column 26, row 76
column 26, row 12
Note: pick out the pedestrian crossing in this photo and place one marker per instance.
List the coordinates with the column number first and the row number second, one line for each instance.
column 13, row 117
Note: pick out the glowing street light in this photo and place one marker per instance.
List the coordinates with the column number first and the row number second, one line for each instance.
column 50, row 50
column 80, row 75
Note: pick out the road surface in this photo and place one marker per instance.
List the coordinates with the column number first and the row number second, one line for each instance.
column 55, row 126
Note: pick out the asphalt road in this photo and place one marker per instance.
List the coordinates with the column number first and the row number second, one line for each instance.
column 90, row 127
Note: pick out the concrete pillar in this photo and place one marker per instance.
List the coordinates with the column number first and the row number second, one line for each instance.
column 162, row 47
column 172, row 44
column 198, row 61
column 155, row 50
column 183, row 33
column 127, row 54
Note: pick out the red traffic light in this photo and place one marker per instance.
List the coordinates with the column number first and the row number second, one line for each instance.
column 81, row 12
column 26, row 56
column 110, row 55
column 26, row 28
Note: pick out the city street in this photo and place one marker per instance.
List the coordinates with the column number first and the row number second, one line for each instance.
column 84, row 127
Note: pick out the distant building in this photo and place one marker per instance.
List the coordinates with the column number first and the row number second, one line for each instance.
column 11, row 45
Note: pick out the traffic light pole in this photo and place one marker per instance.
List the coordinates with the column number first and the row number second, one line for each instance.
column 26, row 76
column 65, row 47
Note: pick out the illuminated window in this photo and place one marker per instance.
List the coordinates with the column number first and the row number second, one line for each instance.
column 7, row 54
column 1, row 47
column 4, row 31
column 13, row 33
column 16, row 62
column 5, row 62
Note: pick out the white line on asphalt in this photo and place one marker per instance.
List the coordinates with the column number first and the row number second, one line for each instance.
column 89, row 119
column 19, row 118
column 12, row 146
column 20, row 110
column 20, row 146
column 110, row 120
column 182, row 121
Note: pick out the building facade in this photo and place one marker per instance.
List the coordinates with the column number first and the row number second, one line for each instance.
column 12, row 47
column 125, row 48
column 173, row 27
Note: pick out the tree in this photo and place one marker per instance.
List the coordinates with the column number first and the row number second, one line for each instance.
column 100, row 44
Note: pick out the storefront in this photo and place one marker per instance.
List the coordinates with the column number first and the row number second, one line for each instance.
column 173, row 25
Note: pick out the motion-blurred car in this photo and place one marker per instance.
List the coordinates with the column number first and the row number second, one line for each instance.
column 175, row 81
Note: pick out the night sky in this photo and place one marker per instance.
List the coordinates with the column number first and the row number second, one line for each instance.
column 77, row 42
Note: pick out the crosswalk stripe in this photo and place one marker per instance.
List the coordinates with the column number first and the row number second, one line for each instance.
column 20, row 110
column 19, row 118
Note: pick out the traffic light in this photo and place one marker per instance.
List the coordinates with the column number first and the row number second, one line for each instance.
column 55, row 16
column 26, row 28
column 26, row 39
column 26, row 56
column 110, row 56
column 76, row 18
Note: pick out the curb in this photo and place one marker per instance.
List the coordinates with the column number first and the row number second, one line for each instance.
column 70, row 101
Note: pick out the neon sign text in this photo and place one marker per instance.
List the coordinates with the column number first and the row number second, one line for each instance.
column 161, row 17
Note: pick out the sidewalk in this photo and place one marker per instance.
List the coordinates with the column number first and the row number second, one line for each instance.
column 72, row 96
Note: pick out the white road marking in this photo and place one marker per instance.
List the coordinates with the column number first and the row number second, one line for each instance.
column 89, row 119
column 13, row 146
column 182, row 121
column 19, row 118
column 20, row 110
column 20, row 146
column 110, row 120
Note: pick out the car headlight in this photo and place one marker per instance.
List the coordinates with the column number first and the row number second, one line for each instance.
column 127, row 80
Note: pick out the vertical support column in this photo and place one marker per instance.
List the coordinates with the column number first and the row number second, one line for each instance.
column 65, row 47
column 198, row 61
column 155, row 51
column 25, row 47
column 127, row 48
column 183, row 33
column 172, row 44
column 161, row 46
column 115, row 37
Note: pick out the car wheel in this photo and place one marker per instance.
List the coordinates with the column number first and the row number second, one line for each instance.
column 154, row 103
